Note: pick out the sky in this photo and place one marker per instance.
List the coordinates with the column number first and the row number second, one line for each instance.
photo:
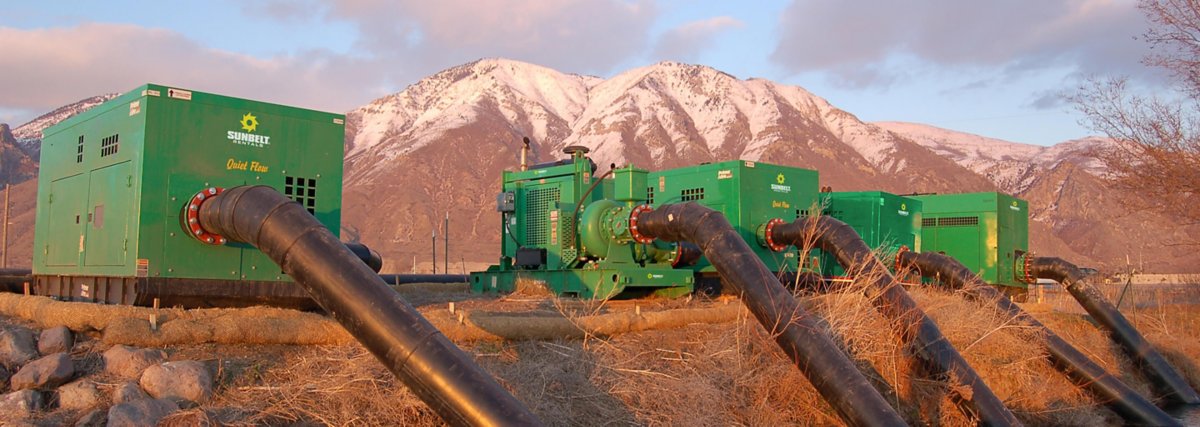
column 993, row 68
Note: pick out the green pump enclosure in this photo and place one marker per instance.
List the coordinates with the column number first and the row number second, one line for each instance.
column 116, row 179
column 885, row 221
column 987, row 232
column 748, row 193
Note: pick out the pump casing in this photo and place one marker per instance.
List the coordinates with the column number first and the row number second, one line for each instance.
column 987, row 232
column 885, row 221
column 116, row 179
column 748, row 193
column 566, row 229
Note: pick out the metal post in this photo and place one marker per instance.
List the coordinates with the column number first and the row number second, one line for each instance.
column 434, row 251
column 446, row 244
column 4, row 257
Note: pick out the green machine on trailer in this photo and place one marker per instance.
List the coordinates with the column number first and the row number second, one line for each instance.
column 987, row 232
column 575, row 232
column 116, row 182
column 750, row 194
column 886, row 222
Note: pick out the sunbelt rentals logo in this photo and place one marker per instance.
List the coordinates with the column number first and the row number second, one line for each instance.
column 778, row 187
column 249, row 124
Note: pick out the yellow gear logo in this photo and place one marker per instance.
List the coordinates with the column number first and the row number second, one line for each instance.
column 249, row 122
column 903, row 206
column 780, row 178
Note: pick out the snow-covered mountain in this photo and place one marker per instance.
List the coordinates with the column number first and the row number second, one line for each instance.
column 1012, row 166
column 29, row 135
column 665, row 115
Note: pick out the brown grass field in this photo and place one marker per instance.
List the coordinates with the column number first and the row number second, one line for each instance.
column 728, row 373
column 703, row 374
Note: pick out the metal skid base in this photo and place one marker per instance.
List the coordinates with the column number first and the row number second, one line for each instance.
column 599, row 283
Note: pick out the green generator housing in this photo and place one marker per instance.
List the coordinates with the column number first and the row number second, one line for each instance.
column 987, row 232
column 748, row 193
column 564, row 227
column 885, row 221
column 115, row 181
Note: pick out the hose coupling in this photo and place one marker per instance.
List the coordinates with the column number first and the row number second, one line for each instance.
column 191, row 217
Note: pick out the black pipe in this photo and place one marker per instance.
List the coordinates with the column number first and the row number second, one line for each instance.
column 890, row 299
column 1108, row 389
column 442, row 375
column 1162, row 375
column 797, row 332
column 400, row 279
column 367, row 255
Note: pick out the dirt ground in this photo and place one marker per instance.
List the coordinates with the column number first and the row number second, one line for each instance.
column 728, row 373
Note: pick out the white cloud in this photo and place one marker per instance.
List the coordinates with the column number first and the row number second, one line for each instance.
column 584, row 36
column 1009, row 37
column 398, row 42
column 687, row 41
column 52, row 67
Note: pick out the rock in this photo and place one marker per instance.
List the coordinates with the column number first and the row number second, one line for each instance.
column 81, row 394
column 5, row 375
column 129, row 391
column 128, row 362
column 146, row 412
column 16, row 347
column 58, row 339
column 19, row 403
column 182, row 381
column 48, row 372
column 95, row 418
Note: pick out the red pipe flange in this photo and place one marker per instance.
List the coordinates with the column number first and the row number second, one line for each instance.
column 191, row 217
column 1029, row 279
column 633, row 224
column 771, row 243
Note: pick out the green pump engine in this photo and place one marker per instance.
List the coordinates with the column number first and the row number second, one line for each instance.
column 577, row 233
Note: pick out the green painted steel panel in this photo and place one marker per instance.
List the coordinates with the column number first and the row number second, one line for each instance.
column 987, row 232
column 64, row 204
column 110, row 199
column 885, row 221
column 145, row 153
column 748, row 193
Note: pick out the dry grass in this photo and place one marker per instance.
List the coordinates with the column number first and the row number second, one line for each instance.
column 722, row 374
column 702, row 374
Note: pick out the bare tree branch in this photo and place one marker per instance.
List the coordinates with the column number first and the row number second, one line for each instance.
column 1156, row 149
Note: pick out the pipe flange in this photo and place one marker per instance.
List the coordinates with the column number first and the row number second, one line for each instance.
column 769, row 241
column 678, row 255
column 633, row 224
column 899, row 252
column 191, row 217
column 1028, row 268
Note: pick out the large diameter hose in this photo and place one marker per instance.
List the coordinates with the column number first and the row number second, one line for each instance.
column 437, row 371
column 890, row 299
column 796, row 331
column 1163, row 376
column 1110, row 390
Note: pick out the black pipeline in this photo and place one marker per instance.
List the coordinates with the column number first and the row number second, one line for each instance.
column 437, row 371
column 890, row 299
column 799, row 334
column 1163, row 376
column 400, row 279
column 1108, row 389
